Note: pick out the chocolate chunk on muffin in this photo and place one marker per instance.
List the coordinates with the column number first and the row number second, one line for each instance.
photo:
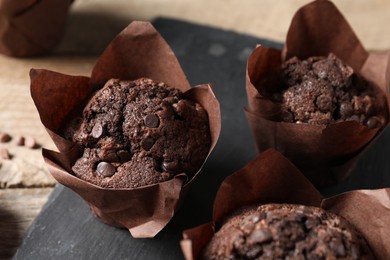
column 286, row 231
column 323, row 90
column 138, row 133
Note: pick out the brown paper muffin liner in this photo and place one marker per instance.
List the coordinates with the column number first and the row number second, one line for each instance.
column 138, row 51
column 324, row 153
column 31, row 27
column 272, row 178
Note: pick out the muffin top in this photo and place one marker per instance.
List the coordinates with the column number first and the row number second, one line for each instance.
column 323, row 90
column 286, row 231
column 138, row 133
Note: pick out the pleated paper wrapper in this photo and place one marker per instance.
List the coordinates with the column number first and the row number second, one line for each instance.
column 31, row 27
column 326, row 154
column 138, row 51
column 272, row 178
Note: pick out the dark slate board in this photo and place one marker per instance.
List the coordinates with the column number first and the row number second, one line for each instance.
column 65, row 229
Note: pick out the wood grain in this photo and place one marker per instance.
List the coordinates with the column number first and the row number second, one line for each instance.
column 18, row 208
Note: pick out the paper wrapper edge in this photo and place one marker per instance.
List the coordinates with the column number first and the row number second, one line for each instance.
column 52, row 95
column 310, row 34
column 254, row 185
column 368, row 211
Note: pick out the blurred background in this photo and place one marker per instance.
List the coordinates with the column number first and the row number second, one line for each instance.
column 91, row 24
column 261, row 18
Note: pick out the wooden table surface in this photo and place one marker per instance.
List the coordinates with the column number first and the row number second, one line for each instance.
column 24, row 181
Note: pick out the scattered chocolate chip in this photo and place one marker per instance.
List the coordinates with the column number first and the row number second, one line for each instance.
column 373, row 122
column 4, row 138
column 147, row 143
column 30, row 142
column 4, row 154
column 152, row 121
column 19, row 140
column 97, row 130
column 346, row 109
column 105, row 169
column 124, row 156
column 172, row 166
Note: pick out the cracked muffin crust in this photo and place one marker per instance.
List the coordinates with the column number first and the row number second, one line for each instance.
column 323, row 90
column 286, row 231
column 138, row 133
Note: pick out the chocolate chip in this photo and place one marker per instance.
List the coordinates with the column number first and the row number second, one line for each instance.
column 110, row 156
column 152, row 121
column 30, row 142
column 4, row 138
column 19, row 140
column 346, row 109
column 124, row 156
column 105, row 169
column 324, row 103
column 373, row 122
column 354, row 118
column 260, row 236
column 147, row 143
column 172, row 166
column 97, row 130
column 4, row 154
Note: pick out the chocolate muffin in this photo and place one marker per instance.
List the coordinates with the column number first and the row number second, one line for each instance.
column 323, row 90
column 138, row 133
column 286, row 231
